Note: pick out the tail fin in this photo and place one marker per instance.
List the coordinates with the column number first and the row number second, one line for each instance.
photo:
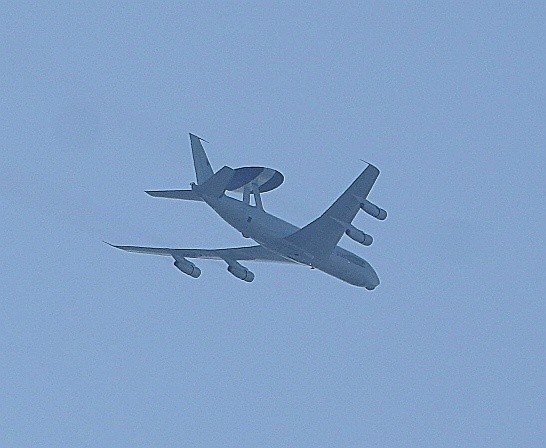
column 203, row 170
column 217, row 184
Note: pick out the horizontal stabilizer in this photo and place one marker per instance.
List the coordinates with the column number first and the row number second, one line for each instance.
column 187, row 195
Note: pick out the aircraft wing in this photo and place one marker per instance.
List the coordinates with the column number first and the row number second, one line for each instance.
column 250, row 253
column 320, row 237
column 188, row 195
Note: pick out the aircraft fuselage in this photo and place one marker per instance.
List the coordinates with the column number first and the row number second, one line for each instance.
column 270, row 232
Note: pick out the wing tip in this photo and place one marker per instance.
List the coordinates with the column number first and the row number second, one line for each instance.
column 370, row 165
column 197, row 137
column 113, row 245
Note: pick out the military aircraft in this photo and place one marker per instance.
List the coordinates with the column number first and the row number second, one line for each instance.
column 315, row 245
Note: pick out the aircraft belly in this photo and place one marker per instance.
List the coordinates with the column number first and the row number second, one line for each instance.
column 251, row 221
column 363, row 276
column 345, row 272
column 271, row 232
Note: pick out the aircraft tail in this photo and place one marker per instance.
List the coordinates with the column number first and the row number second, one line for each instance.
column 188, row 195
column 217, row 184
column 203, row 170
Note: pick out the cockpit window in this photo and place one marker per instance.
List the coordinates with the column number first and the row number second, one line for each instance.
column 354, row 259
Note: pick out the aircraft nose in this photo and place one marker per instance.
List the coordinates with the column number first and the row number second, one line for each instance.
column 373, row 280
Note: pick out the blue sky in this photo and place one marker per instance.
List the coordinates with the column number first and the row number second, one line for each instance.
column 104, row 348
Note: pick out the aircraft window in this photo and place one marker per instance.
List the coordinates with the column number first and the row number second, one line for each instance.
column 354, row 259
column 249, row 219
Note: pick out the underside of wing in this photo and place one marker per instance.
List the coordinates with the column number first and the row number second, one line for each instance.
column 188, row 195
column 249, row 253
column 320, row 237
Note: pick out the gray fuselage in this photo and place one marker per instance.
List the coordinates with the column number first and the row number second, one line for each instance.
column 271, row 231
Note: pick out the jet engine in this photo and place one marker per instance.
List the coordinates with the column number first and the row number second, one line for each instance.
column 359, row 236
column 373, row 210
column 187, row 267
column 241, row 272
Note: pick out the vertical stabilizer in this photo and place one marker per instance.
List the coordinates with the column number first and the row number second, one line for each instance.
column 216, row 185
column 203, row 170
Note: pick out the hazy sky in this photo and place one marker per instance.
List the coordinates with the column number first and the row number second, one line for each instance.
column 104, row 348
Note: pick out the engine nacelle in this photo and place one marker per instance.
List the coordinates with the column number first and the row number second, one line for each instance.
column 241, row 272
column 373, row 210
column 359, row 236
column 187, row 267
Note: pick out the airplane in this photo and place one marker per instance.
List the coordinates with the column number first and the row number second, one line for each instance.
column 314, row 245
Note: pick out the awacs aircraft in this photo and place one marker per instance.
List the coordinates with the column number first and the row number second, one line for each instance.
column 314, row 245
